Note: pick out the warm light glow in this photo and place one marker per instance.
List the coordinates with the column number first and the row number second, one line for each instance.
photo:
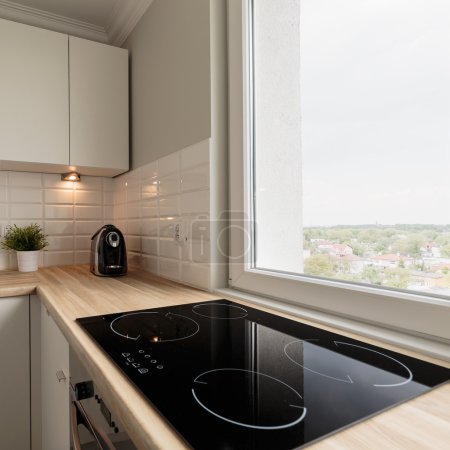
column 71, row 176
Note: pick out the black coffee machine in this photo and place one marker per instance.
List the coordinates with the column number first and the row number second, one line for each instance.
column 108, row 252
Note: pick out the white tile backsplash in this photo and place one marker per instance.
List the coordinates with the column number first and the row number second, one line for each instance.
column 69, row 212
column 145, row 204
column 174, row 190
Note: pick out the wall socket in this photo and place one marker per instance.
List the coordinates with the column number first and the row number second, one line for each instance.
column 178, row 232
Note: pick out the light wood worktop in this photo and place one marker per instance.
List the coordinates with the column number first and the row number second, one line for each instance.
column 70, row 292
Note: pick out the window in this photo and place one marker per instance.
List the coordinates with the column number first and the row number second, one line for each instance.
column 339, row 119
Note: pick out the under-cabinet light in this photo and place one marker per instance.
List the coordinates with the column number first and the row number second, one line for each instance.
column 71, row 176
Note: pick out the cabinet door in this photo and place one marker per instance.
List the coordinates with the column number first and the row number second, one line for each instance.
column 14, row 374
column 34, row 105
column 54, row 394
column 98, row 105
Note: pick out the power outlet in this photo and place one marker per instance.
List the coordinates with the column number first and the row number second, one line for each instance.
column 178, row 232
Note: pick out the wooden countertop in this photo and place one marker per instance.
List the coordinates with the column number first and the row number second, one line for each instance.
column 70, row 292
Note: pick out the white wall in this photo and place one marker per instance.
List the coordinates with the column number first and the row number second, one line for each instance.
column 170, row 79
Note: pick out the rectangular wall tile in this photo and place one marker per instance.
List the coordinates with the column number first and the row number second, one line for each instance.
column 25, row 195
column 25, row 211
column 58, row 211
column 57, row 227
column 25, row 179
column 196, row 178
column 88, row 212
column 57, row 243
column 58, row 258
column 169, row 206
column 58, row 196
column 196, row 274
column 149, row 227
column 87, row 227
column 150, row 246
column 168, row 248
column 195, row 202
column 3, row 194
column 149, row 263
column 169, row 184
column 169, row 268
column 88, row 197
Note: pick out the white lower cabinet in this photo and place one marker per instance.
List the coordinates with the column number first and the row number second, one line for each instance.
column 14, row 373
column 50, row 395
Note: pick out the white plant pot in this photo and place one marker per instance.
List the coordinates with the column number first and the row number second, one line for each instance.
column 28, row 260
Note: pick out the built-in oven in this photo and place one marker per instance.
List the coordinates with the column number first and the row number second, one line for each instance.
column 93, row 425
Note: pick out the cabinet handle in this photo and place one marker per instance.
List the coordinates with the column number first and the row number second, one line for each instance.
column 60, row 376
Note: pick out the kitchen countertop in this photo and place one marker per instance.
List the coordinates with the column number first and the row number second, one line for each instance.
column 70, row 292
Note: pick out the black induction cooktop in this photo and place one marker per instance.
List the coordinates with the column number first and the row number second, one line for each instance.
column 228, row 376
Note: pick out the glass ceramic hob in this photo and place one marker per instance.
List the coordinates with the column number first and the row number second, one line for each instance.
column 227, row 376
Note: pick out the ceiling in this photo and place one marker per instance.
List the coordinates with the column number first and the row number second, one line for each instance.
column 108, row 21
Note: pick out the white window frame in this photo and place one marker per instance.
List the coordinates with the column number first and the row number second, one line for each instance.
column 425, row 316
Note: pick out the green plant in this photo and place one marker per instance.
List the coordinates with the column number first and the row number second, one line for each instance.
column 26, row 238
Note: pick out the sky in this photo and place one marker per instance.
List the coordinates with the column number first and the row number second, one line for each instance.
column 375, row 99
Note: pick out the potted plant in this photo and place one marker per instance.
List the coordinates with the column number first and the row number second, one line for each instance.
column 28, row 242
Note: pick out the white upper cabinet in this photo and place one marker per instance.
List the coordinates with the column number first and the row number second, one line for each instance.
column 98, row 77
column 34, row 105
column 63, row 103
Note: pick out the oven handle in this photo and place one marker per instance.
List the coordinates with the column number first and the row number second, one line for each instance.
column 78, row 416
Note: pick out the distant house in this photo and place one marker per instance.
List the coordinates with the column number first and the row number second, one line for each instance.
column 391, row 260
column 354, row 263
column 338, row 250
column 427, row 279
column 430, row 249
column 440, row 268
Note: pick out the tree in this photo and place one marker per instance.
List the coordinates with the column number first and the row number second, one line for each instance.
column 319, row 265
column 445, row 251
column 396, row 277
column 410, row 245
column 371, row 275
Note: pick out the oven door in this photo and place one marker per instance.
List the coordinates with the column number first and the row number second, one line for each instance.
column 93, row 425
column 79, row 418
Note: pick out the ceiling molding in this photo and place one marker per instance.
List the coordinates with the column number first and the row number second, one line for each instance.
column 123, row 19
column 55, row 22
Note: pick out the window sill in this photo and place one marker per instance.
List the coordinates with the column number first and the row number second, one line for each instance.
column 430, row 347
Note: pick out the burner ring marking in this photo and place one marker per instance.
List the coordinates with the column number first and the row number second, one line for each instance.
column 149, row 312
column 220, row 304
column 247, row 425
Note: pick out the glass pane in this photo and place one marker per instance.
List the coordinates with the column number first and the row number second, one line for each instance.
column 374, row 147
